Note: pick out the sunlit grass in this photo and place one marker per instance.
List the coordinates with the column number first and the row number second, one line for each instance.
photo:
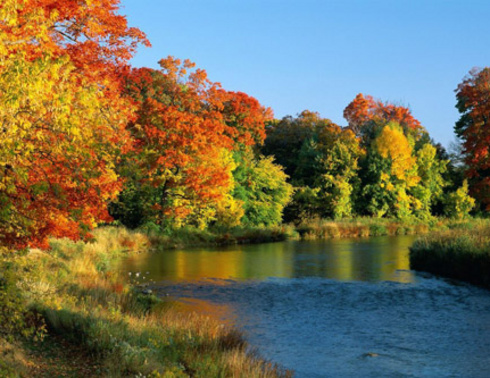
column 358, row 227
column 364, row 227
column 81, row 297
column 13, row 360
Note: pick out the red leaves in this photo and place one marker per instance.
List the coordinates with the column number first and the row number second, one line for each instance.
column 70, row 124
column 245, row 118
column 185, row 124
column 473, row 102
column 363, row 110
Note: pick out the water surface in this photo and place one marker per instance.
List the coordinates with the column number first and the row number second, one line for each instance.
column 369, row 259
column 339, row 308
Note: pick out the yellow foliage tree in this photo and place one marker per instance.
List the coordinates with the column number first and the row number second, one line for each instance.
column 392, row 172
column 392, row 144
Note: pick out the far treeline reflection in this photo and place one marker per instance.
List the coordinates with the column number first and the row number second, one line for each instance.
column 373, row 259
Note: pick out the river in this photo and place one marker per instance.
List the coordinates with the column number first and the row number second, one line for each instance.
column 335, row 308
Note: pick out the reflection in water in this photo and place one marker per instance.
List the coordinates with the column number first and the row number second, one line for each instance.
column 225, row 313
column 373, row 259
column 332, row 327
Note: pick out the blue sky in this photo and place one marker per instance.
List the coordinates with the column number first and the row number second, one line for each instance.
column 317, row 55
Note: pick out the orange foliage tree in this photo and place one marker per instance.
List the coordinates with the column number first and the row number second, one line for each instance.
column 59, row 142
column 180, row 163
column 473, row 127
column 366, row 115
column 245, row 118
column 187, row 127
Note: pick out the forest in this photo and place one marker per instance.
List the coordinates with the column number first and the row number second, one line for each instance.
column 88, row 139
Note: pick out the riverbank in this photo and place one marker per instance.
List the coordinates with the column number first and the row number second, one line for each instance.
column 72, row 293
column 365, row 227
column 188, row 237
column 312, row 229
column 70, row 301
column 462, row 254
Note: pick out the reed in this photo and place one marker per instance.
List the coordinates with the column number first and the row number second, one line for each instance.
column 358, row 227
column 461, row 252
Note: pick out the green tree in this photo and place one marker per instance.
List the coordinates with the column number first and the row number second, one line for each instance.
column 292, row 143
column 459, row 203
column 261, row 186
column 430, row 188
column 338, row 165
column 318, row 155
column 305, row 204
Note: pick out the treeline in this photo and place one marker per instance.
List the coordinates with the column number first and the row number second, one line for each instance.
column 87, row 139
column 383, row 164
column 195, row 158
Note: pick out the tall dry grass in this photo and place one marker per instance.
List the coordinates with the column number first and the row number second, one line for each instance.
column 358, row 227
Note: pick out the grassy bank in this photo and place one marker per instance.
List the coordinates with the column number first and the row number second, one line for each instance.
column 461, row 253
column 365, row 227
column 192, row 237
column 359, row 227
column 307, row 230
column 72, row 293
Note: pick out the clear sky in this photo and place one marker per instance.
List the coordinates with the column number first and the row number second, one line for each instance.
column 317, row 55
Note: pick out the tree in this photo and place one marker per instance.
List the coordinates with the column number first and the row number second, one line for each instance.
column 245, row 118
column 91, row 32
column 367, row 115
column 305, row 204
column 262, row 188
column 185, row 134
column 391, row 172
column 338, row 166
column 473, row 127
column 289, row 137
column 319, row 155
column 431, row 171
column 180, row 163
column 59, row 144
column 459, row 203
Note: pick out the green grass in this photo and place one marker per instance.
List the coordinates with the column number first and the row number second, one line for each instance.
column 82, row 300
column 461, row 252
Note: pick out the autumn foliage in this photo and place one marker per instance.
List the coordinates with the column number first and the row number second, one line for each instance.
column 86, row 138
column 473, row 102
column 179, row 139
column 60, row 143
column 364, row 113
column 186, row 130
